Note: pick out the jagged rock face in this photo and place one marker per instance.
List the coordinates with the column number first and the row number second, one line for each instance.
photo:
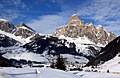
column 74, row 20
column 24, row 31
column 96, row 34
column 6, row 26
column 107, row 53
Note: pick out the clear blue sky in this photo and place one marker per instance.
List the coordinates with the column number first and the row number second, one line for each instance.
column 45, row 16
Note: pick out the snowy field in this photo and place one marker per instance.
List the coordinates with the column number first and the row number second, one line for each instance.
column 95, row 75
column 113, row 65
column 50, row 73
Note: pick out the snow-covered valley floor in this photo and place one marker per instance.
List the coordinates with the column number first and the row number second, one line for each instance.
column 50, row 73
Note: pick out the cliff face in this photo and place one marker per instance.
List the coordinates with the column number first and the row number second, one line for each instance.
column 76, row 28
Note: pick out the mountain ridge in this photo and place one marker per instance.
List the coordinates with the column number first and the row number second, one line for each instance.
column 76, row 28
column 21, row 32
column 74, row 39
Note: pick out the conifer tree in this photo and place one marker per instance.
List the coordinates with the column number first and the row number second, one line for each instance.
column 60, row 63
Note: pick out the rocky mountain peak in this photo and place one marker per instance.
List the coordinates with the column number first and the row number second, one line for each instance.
column 6, row 26
column 75, row 21
column 24, row 31
column 76, row 28
column 74, row 17
column 21, row 25
column 21, row 32
column 24, row 26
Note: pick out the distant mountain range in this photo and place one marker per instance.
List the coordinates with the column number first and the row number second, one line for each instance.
column 76, row 42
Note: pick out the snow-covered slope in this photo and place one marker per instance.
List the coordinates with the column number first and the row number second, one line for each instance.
column 73, row 59
column 82, row 45
column 35, row 73
column 45, row 50
column 29, row 56
column 107, row 53
column 112, row 65
column 50, row 73
column 26, row 56
column 74, row 50
column 96, row 75
column 17, row 38
column 21, row 33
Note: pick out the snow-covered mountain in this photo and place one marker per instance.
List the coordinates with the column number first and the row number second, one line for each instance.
column 79, row 45
column 88, row 38
column 76, row 28
column 12, row 39
column 84, row 45
column 77, row 42
column 24, row 31
column 21, row 33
